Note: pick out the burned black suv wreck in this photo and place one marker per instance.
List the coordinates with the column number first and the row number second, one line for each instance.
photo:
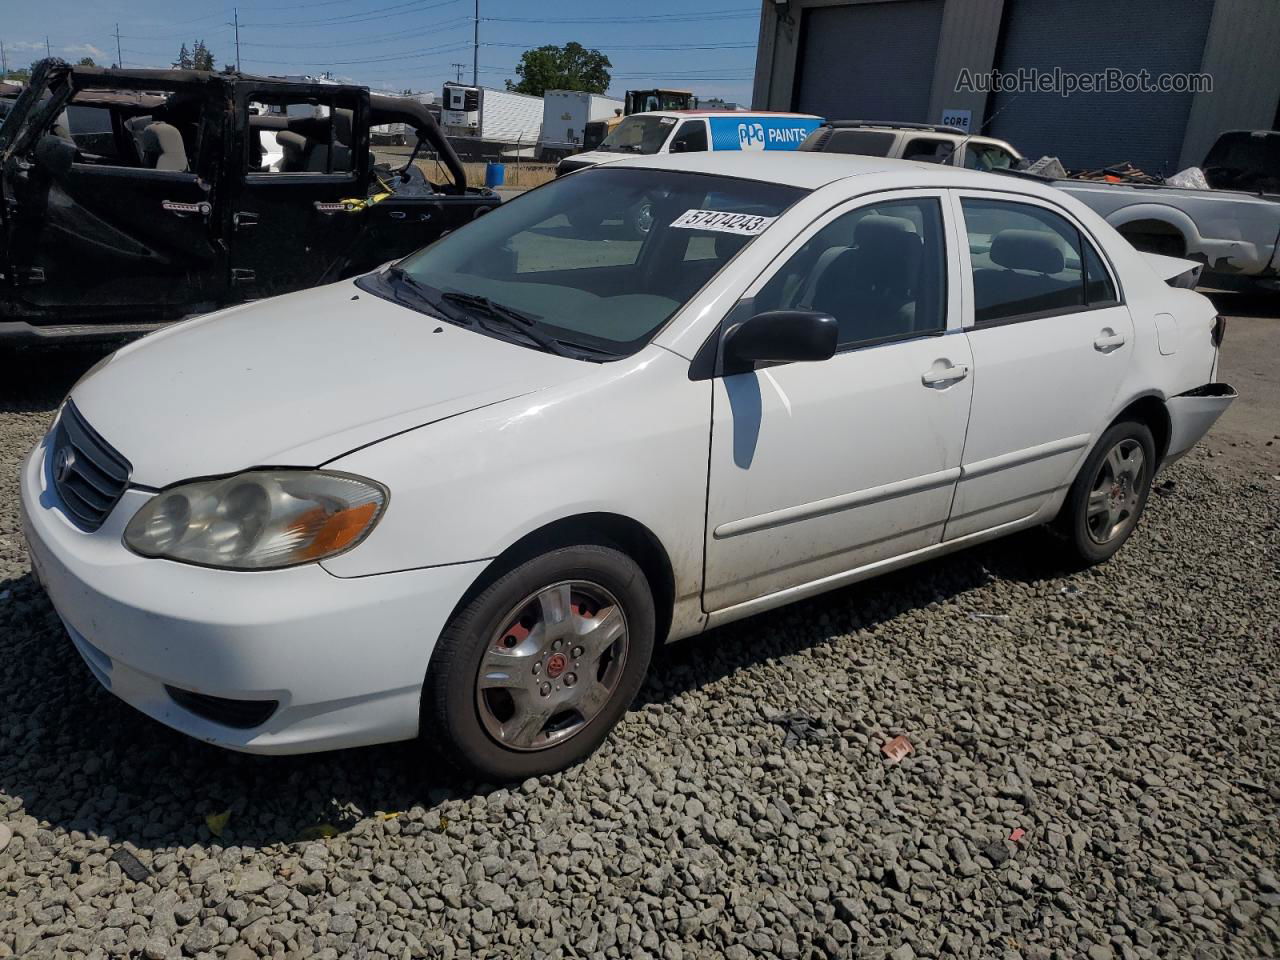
column 133, row 198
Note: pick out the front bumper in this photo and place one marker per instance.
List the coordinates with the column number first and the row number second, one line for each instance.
column 343, row 658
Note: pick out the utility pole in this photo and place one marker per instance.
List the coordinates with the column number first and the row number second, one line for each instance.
column 457, row 69
column 119, row 55
column 49, row 53
column 4, row 63
column 475, row 50
column 236, row 20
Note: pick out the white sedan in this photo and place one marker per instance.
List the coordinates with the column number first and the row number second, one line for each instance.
column 462, row 498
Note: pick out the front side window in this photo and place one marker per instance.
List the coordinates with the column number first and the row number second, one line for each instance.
column 690, row 138
column 879, row 270
column 598, row 260
column 1027, row 262
column 639, row 134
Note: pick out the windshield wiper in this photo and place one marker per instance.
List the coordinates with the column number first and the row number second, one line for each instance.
column 523, row 322
column 425, row 294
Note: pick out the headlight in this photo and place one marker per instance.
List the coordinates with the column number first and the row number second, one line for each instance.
column 258, row 520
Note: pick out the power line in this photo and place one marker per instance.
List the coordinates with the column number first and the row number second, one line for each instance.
column 731, row 14
column 375, row 14
column 643, row 46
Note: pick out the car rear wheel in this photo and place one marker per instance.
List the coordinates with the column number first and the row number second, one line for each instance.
column 1108, row 496
column 530, row 676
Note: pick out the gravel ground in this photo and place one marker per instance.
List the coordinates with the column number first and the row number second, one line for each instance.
column 1121, row 722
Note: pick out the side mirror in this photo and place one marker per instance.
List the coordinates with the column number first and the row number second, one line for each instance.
column 55, row 155
column 680, row 146
column 780, row 336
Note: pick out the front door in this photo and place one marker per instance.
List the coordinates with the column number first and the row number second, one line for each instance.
column 289, row 227
column 114, row 212
column 820, row 468
column 1051, row 343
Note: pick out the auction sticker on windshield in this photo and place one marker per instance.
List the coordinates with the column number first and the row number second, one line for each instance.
column 745, row 224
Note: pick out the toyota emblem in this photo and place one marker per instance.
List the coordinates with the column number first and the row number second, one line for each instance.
column 63, row 461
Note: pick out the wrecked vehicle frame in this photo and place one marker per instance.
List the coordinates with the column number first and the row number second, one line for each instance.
column 134, row 198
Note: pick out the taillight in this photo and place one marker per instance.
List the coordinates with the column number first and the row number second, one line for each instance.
column 1219, row 329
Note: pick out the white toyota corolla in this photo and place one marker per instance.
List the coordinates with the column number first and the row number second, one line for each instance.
column 463, row 497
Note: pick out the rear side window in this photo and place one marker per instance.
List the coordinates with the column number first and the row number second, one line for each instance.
column 867, row 143
column 929, row 150
column 1028, row 262
column 1099, row 290
column 879, row 270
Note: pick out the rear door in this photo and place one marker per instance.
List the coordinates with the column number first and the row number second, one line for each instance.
column 1052, row 343
column 289, row 227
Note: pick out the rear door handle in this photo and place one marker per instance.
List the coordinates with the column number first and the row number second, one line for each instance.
column 1108, row 340
column 943, row 371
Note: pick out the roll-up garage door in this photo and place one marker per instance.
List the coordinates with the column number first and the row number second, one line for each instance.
column 1090, row 130
column 868, row 61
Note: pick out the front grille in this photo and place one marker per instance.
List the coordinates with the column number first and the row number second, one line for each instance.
column 88, row 474
column 241, row 714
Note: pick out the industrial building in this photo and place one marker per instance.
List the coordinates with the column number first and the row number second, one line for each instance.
column 904, row 59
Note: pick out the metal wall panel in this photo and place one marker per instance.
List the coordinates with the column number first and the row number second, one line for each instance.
column 1089, row 36
column 869, row 60
column 1243, row 56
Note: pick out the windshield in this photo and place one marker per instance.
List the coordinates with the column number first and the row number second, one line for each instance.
column 639, row 134
column 599, row 259
column 1244, row 161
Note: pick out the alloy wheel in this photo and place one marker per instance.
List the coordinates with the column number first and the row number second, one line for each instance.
column 552, row 666
column 1116, row 493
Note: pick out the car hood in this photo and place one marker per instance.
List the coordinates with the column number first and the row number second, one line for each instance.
column 594, row 157
column 297, row 381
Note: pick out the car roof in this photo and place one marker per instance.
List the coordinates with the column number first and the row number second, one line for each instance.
column 744, row 114
column 809, row 170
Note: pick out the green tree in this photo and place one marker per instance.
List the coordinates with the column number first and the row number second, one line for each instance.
column 571, row 67
column 85, row 62
column 201, row 57
column 184, row 59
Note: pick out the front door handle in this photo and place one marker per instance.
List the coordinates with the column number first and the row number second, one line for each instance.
column 1108, row 340
column 943, row 372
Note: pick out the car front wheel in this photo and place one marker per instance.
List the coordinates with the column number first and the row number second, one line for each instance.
column 1108, row 496
column 530, row 676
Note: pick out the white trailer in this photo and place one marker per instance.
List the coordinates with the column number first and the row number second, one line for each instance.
column 398, row 133
column 565, row 115
column 484, row 120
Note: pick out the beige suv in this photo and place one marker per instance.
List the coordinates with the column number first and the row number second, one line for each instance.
column 928, row 143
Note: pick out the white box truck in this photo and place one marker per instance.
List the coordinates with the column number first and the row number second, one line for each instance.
column 485, row 123
column 565, row 115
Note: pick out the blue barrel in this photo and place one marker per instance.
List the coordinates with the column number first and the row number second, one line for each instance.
column 495, row 174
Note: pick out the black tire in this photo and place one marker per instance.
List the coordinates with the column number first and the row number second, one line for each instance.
column 452, row 703
column 1079, row 529
column 639, row 219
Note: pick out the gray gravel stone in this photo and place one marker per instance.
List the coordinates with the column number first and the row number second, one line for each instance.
column 1125, row 717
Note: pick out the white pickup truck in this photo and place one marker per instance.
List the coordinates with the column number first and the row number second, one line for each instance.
column 1233, row 229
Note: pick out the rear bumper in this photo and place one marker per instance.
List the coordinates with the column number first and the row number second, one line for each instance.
column 1191, row 414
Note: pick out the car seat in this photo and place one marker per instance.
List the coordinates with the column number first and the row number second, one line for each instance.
column 163, row 149
column 1024, row 278
column 870, row 288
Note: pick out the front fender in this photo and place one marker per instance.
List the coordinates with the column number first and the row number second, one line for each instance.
column 630, row 439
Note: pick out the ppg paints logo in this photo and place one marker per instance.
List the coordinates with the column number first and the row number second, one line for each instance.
column 751, row 136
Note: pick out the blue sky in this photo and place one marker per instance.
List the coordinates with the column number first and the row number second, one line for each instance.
column 394, row 44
